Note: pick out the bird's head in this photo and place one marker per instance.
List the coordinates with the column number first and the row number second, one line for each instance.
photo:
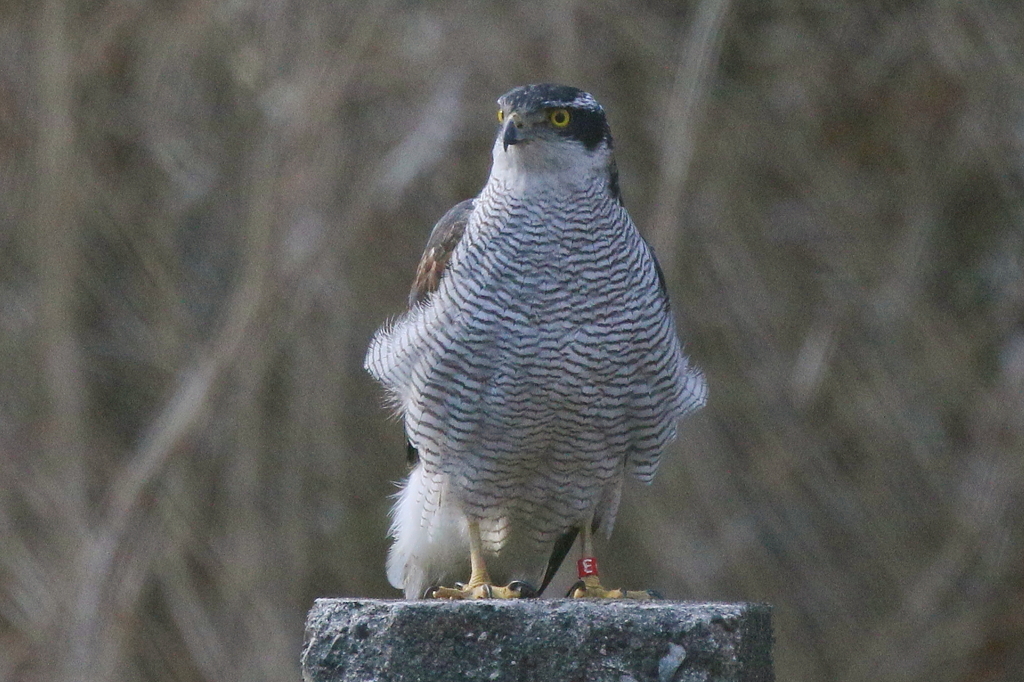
column 552, row 129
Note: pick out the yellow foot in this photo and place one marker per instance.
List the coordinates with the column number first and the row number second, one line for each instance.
column 516, row 589
column 590, row 588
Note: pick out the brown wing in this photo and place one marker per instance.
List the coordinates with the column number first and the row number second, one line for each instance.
column 443, row 239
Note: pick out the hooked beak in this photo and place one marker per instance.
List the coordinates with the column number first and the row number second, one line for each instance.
column 512, row 134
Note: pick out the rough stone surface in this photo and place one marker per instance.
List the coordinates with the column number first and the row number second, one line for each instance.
column 537, row 639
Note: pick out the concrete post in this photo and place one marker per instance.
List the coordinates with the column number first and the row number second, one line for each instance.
column 560, row 640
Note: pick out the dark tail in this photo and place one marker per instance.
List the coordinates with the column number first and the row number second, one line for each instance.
column 562, row 546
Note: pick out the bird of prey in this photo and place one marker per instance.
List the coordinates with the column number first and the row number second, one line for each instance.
column 538, row 363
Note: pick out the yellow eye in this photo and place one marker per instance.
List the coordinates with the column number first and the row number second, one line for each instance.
column 559, row 117
column 501, row 116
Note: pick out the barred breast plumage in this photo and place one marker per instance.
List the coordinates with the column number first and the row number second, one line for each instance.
column 545, row 364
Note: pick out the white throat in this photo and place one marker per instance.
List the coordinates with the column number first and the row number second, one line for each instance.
column 548, row 166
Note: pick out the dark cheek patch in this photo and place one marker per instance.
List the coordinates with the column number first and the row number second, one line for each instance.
column 589, row 127
column 613, row 182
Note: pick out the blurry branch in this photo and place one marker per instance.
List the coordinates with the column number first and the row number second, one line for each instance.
column 178, row 418
column 359, row 39
column 684, row 108
column 57, row 258
column 57, row 261
column 426, row 143
column 916, row 633
column 35, row 600
column 244, row 630
column 186, row 406
column 188, row 611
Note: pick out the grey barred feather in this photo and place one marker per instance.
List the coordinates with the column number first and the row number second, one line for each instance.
column 538, row 365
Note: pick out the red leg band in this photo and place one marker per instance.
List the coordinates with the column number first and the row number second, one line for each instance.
column 586, row 566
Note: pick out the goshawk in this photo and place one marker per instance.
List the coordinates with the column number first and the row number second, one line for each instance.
column 537, row 364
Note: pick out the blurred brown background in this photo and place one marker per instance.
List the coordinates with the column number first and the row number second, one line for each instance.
column 207, row 207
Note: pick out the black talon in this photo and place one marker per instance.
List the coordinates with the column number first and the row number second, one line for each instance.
column 525, row 589
column 488, row 593
column 578, row 585
column 431, row 591
column 654, row 594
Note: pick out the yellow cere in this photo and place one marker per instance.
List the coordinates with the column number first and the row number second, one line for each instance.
column 559, row 117
column 501, row 116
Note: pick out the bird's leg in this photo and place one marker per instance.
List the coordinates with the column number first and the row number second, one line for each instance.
column 479, row 578
column 480, row 585
column 589, row 584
